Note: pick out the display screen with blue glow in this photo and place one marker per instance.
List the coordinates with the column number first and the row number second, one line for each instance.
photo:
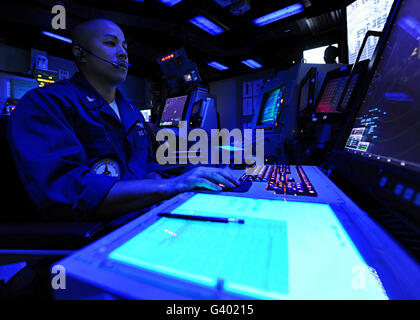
column 284, row 250
column 19, row 87
column 387, row 127
column 173, row 111
column 270, row 106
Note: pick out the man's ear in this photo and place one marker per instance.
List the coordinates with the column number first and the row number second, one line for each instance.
column 79, row 54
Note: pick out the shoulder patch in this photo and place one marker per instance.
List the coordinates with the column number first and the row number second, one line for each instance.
column 108, row 167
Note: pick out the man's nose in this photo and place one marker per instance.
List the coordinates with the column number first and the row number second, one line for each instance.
column 122, row 53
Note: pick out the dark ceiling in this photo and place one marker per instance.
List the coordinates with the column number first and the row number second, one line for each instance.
column 153, row 29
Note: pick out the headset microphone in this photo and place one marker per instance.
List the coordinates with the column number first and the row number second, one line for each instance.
column 114, row 64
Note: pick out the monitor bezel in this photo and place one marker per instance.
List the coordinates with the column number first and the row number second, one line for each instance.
column 184, row 112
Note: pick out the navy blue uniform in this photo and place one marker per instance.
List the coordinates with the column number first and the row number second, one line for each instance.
column 59, row 136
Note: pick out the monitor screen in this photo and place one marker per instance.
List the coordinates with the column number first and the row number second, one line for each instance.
column 173, row 111
column 387, row 126
column 21, row 86
column 362, row 16
column 270, row 106
column 330, row 96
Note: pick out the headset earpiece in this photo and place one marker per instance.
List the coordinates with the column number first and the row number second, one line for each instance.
column 80, row 53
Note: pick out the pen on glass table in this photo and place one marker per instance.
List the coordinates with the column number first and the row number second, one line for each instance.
column 201, row 218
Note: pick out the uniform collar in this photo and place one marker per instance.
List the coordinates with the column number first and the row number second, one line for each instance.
column 93, row 100
column 127, row 113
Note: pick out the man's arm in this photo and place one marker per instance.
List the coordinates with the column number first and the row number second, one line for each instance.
column 153, row 175
column 54, row 167
column 130, row 196
column 51, row 160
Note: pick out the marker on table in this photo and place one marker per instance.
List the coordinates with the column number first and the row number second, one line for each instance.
column 200, row 218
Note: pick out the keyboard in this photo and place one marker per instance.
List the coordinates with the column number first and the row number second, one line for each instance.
column 279, row 179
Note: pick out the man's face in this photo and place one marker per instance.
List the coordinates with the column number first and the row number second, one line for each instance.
column 108, row 42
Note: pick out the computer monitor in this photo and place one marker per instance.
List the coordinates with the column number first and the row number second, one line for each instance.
column 380, row 151
column 173, row 111
column 331, row 90
column 387, row 126
column 18, row 87
column 307, row 91
column 271, row 106
column 304, row 96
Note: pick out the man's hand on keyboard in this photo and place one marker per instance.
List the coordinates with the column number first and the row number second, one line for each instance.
column 205, row 177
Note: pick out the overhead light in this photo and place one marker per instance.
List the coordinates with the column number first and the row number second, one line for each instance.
column 252, row 63
column 224, row 3
column 217, row 65
column 207, row 25
column 170, row 2
column 279, row 14
column 56, row 36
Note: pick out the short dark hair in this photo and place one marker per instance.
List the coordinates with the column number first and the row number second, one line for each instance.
column 330, row 54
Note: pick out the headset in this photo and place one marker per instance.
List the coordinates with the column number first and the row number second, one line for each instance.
column 115, row 65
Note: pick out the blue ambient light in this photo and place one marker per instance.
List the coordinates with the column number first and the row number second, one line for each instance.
column 56, row 36
column 170, row 2
column 217, row 65
column 206, row 25
column 252, row 64
column 279, row 14
column 398, row 96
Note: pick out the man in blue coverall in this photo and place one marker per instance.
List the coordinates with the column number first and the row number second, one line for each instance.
column 82, row 151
